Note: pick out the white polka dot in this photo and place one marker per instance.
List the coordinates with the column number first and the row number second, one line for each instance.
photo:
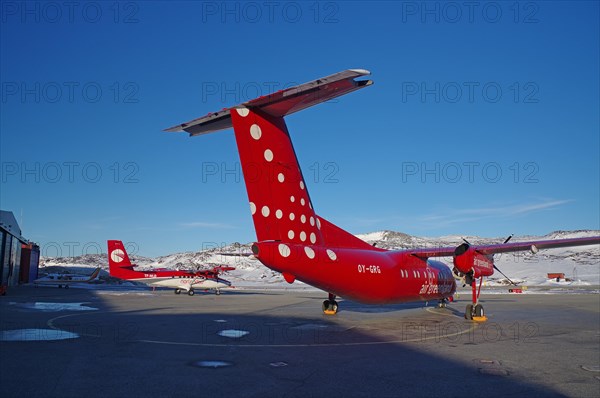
column 331, row 255
column 302, row 236
column 313, row 238
column 292, row 216
column 302, row 202
column 301, row 184
column 280, row 177
column 310, row 253
column 243, row 112
column 291, row 234
column 265, row 211
column 302, row 218
column 284, row 250
column 252, row 208
column 318, row 223
column 279, row 214
column 268, row 155
column 312, row 221
column 255, row 131
column 292, row 199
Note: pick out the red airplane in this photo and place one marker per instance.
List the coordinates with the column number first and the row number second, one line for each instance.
column 294, row 240
column 120, row 267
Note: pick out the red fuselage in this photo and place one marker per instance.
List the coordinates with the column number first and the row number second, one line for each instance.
column 369, row 276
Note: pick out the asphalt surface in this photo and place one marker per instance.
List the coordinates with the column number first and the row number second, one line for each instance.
column 278, row 344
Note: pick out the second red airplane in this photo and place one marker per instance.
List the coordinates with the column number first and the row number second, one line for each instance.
column 120, row 267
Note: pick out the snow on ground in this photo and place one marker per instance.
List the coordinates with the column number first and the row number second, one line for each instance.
column 581, row 265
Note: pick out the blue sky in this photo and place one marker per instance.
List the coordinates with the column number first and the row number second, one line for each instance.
column 483, row 119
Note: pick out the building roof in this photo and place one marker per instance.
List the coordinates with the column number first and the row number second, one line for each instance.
column 9, row 223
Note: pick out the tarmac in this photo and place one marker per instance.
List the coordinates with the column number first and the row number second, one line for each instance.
column 128, row 343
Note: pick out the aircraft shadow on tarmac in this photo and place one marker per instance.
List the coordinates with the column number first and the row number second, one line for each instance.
column 153, row 352
column 352, row 306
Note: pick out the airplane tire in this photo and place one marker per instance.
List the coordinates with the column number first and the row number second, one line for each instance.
column 479, row 310
column 191, row 292
column 218, row 292
column 330, row 305
column 66, row 286
column 469, row 312
column 177, row 291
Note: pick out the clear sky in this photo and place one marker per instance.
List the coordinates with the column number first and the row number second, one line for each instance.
column 483, row 119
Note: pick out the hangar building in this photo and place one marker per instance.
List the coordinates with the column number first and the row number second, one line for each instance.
column 19, row 258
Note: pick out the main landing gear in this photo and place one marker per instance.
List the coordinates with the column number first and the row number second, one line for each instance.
column 190, row 292
column 330, row 306
column 474, row 311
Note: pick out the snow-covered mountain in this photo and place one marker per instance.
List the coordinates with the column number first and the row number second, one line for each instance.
column 580, row 264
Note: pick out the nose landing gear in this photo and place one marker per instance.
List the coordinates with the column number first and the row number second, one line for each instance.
column 474, row 311
column 330, row 306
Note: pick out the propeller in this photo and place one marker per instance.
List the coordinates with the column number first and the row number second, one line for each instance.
column 498, row 269
column 465, row 246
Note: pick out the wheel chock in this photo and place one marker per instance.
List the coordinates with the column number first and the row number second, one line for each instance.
column 479, row 318
column 329, row 312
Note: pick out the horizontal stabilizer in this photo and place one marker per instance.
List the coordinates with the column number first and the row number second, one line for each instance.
column 283, row 102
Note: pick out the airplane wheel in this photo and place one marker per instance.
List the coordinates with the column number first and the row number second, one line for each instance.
column 218, row 292
column 191, row 292
column 66, row 286
column 479, row 310
column 469, row 312
column 177, row 291
column 60, row 286
column 330, row 306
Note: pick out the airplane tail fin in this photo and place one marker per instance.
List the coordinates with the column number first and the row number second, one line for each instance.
column 118, row 259
column 281, row 207
column 94, row 275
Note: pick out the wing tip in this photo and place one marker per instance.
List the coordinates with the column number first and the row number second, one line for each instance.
column 360, row 72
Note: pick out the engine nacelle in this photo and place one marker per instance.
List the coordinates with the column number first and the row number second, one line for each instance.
column 468, row 261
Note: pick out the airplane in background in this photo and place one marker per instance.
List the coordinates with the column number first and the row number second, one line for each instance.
column 65, row 280
column 120, row 267
column 293, row 240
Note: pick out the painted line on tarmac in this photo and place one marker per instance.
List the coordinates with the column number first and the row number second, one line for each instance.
column 318, row 345
column 51, row 324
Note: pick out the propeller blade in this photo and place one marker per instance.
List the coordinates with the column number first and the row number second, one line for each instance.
column 507, row 239
column 498, row 269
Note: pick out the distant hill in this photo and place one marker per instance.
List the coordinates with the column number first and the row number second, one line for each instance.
column 581, row 264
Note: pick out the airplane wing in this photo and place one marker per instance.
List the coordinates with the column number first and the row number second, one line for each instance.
column 532, row 246
column 283, row 102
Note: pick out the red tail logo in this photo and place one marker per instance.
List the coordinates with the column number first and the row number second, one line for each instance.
column 118, row 260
